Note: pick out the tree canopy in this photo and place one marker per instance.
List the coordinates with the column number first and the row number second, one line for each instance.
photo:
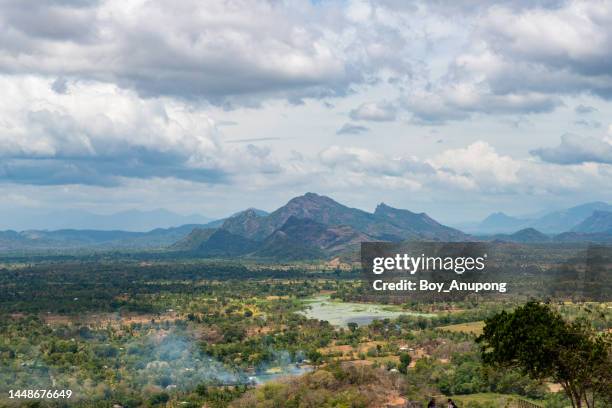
column 540, row 342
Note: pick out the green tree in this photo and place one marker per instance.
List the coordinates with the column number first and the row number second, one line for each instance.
column 159, row 398
column 543, row 345
column 315, row 357
column 405, row 360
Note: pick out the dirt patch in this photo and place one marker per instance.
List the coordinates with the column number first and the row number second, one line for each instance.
column 109, row 319
column 554, row 387
column 358, row 363
column 54, row 319
column 395, row 401
column 417, row 354
column 345, row 348
column 255, row 330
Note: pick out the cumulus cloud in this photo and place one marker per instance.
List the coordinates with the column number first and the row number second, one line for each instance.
column 575, row 149
column 459, row 101
column 238, row 52
column 584, row 109
column 353, row 167
column 477, row 166
column 576, row 36
column 563, row 50
column 228, row 52
column 519, row 58
column 467, row 7
column 366, row 161
column 95, row 94
column 375, row 112
column 351, row 129
column 593, row 124
column 99, row 134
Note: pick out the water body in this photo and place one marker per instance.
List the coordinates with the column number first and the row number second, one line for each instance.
column 342, row 313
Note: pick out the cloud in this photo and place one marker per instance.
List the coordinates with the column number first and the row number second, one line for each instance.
column 575, row 149
column 354, row 166
column 563, row 50
column 511, row 58
column 231, row 53
column 254, row 139
column 574, row 37
column 477, row 169
column 477, row 166
column 372, row 163
column 351, row 129
column 96, row 95
column 517, row 59
column 584, row 109
column 460, row 101
column 375, row 112
column 100, row 134
column 467, row 7
column 593, row 124
column 60, row 85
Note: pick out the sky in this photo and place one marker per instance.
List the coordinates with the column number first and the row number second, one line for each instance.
column 458, row 109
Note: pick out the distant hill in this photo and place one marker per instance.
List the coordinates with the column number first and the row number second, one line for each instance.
column 158, row 238
column 287, row 243
column 177, row 238
column 599, row 221
column 595, row 237
column 526, row 236
column 566, row 220
column 222, row 243
column 399, row 224
column 296, row 239
column 310, row 206
column 193, row 240
column 315, row 226
column 300, row 238
column 501, row 223
column 219, row 222
column 131, row 220
column 550, row 223
column 386, row 223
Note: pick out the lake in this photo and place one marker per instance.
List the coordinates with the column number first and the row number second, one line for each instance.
column 341, row 313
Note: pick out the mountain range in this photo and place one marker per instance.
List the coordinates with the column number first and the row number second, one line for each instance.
column 550, row 223
column 74, row 219
column 312, row 225
column 70, row 239
column 598, row 222
column 315, row 226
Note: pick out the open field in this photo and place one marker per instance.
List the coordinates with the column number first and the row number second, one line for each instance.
column 471, row 327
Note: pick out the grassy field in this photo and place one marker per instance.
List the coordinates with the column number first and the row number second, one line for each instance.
column 471, row 327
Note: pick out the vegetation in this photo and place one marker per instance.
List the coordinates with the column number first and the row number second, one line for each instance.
column 332, row 386
column 192, row 333
column 543, row 345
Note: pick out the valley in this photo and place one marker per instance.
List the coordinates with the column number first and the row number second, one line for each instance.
column 260, row 310
column 197, row 332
